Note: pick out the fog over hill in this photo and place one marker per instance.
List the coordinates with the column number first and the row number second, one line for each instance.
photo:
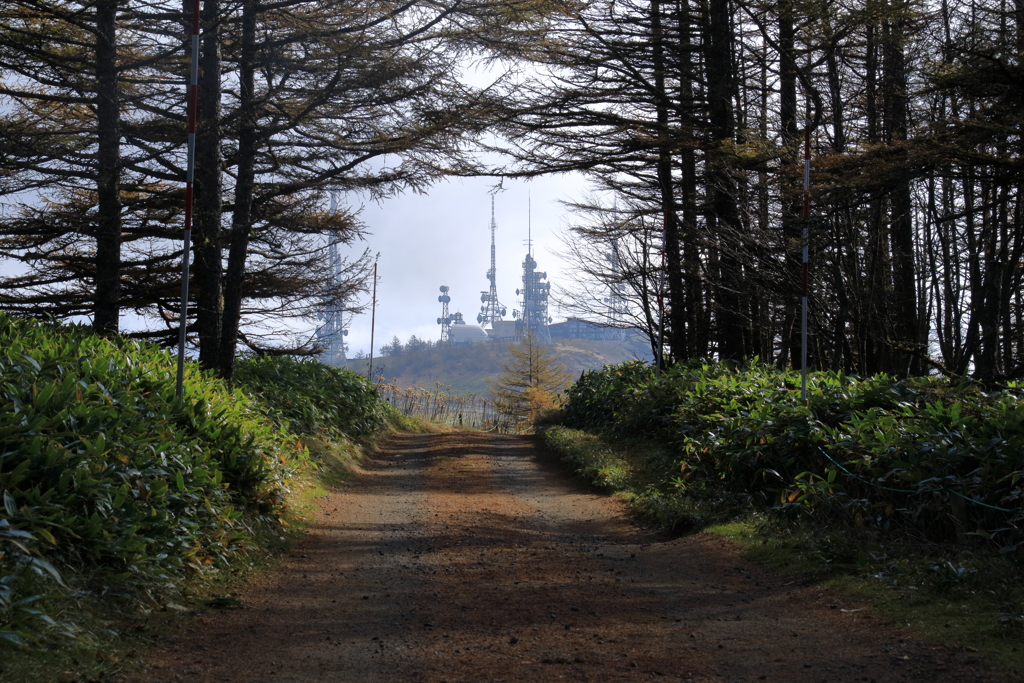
column 466, row 368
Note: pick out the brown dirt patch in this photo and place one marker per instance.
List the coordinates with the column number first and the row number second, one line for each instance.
column 467, row 557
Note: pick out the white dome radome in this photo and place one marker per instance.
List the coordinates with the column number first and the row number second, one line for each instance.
column 467, row 334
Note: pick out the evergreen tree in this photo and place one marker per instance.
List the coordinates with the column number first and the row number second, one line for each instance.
column 531, row 380
column 395, row 348
column 72, row 72
column 417, row 344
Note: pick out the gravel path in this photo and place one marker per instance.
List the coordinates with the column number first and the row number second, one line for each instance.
column 468, row 557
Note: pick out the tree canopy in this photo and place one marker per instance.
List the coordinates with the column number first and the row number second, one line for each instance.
column 298, row 100
column 690, row 118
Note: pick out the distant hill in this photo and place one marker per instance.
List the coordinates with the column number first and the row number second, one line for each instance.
column 466, row 368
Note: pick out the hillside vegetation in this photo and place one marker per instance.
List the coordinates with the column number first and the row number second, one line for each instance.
column 466, row 368
column 918, row 456
column 907, row 494
column 115, row 493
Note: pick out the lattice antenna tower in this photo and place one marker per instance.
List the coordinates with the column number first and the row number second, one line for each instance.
column 616, row 287
column 533, row 314
column 332, row 331
column 492, row 310
column 446, row 320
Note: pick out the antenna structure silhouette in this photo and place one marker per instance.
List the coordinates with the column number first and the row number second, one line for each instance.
column 617, row 307
column 534, row 312
column 446, row 319
column 332, row 332
column 492, row 310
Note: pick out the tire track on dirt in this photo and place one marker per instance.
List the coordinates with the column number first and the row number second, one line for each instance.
column 336, row 609
column 469, row 557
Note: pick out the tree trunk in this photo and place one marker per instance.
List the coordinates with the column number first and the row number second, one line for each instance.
column 670, row 237
column 722, row 186
column 241, row 220
column 693, row 303
column 875, row 322
column 107, row 304
column 792, row 222
column 208, row 202
column 906, row 323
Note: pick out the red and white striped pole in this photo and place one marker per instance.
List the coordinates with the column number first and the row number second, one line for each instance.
column 806, row 259
column 373, row 321
column 661, row 301
column 193, row 87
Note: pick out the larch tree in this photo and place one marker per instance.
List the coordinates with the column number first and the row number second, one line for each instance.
column 72, row 73
column 530, row 380
column 298, row 100
column 328, row 99
column 614, row 251
column 685, row 114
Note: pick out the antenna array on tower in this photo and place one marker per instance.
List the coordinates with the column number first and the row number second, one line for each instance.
column 332, row 332
column 446, row 320
column 534, row 312
column 492, row 310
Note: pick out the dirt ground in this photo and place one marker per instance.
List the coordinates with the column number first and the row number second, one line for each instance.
column 468, row 557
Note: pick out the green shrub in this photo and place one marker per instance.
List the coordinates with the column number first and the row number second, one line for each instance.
column 22, row 572
column 313, row 398
column 111, row 474
column 917, row 455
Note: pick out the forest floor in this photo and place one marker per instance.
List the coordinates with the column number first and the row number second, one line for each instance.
column 472, row 557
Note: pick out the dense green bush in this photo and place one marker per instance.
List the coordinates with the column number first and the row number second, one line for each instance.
column 915, row 455
column 103, row 472
column 313, row 398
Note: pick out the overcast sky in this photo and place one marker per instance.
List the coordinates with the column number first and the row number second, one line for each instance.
column 443, row 238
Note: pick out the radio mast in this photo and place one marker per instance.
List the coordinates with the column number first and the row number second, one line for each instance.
column 617, row 307
column 492, row 310
column 445, row 321
column 333, row 332
column 534, row 312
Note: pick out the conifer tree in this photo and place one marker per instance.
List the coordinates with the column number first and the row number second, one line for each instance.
column 529, row 381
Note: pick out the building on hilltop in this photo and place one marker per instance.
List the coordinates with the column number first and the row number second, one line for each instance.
column 575, row 328
column 503, row 331
column 462, row 334
column 532, row 313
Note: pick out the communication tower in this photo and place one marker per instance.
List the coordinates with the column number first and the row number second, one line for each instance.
column 446, row 320
column 616, row 300
column 492, row 310
column 534, row 312
column 332, row 332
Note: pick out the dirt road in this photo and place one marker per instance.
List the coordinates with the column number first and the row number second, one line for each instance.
column 466, row 557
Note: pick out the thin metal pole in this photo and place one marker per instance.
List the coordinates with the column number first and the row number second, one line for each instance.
column 806, row 259
column 373, row 320
column 190, row 176
column 661, row 312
